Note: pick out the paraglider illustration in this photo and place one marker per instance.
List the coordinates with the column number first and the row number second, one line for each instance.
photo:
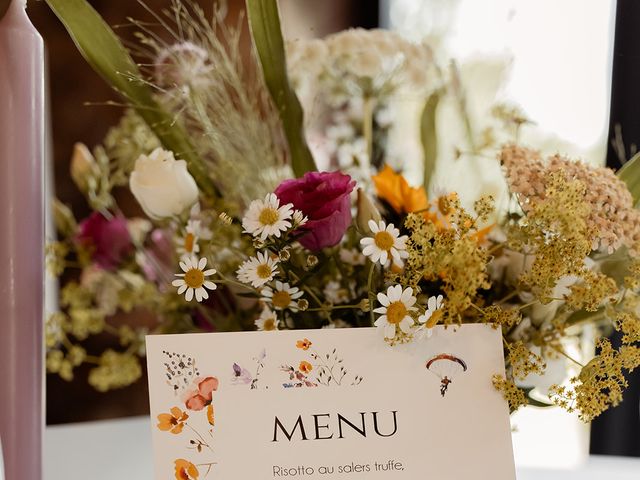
column 446, row 367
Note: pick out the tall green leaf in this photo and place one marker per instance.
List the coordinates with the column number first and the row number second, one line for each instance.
column 630, row 174
column 429, row 137
column 264, row 23
column 102, row 49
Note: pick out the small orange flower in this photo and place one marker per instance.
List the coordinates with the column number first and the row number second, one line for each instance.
column 185, row 470
column 172, row 422
column 304, row 344
column 210, row 416
column 481, row 235
column 394, row 189
column 305, row 367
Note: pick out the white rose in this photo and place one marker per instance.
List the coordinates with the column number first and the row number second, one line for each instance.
column 162, row 185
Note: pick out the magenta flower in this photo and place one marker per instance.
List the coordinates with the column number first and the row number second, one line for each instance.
column 108, row 239
column 324, row 197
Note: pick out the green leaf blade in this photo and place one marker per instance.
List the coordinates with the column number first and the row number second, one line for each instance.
column 429, row 137
column 264, row 23
column 630, row 174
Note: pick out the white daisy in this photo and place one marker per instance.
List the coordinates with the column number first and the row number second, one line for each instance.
column 433, row 305
column 258, row 270
column 266, row 217
column 267, row 321
column 188, row 244
column 395, row 311
column 386, row 244
column 283, row 296
column 194, row 279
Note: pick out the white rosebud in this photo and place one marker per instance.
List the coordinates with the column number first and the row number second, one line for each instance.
column 162, row 185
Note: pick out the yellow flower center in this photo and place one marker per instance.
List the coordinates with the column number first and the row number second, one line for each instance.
column 281, row 299
column 194, row 278
column 396, row 312
column 269, row 216
column 263, row 271
column 433, row 320
column 269, row 324
column 384, row 240
column 189, row 241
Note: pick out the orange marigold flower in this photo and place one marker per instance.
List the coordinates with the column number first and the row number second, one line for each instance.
column 172, row 422
column 304, row 344
column 185, row 470
column 305, row 367
column 210, row 416
column 394, row 189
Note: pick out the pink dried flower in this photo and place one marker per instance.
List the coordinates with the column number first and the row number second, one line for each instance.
column 612, row 214
column 108, row 239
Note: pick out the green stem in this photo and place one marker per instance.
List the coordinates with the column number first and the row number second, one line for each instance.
column 264, row 23
column 367, row 125
column 370, row 292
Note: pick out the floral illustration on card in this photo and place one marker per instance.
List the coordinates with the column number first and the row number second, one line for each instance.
column 446, row 367
column 193, row 420
column 318, row 369
column 242, row 376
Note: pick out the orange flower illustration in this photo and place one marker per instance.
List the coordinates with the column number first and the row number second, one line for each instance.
column 210, row 416
column 394, row 189
column 185, row 470
column 305, row 367
column 172, row 422
column 202, row 395
column 304, row 344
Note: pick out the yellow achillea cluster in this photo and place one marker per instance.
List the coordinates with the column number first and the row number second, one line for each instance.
column 510, row 391
column 451, row 256
column 523, row 361
column 498, row 316
column 555, row 231
column 115, row 370
column 593, row 290
column 600, row 383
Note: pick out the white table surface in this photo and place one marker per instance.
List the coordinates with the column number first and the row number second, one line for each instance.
column 121, row 449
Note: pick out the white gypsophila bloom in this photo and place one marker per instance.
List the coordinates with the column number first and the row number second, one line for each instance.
column 335, row 293
column 281, row 297
column 386, row 244
column 395, row 312
column 258, row 270
column 267, row 321
column 193, row 282
column 352, row 256
column 265, row 218
column 162, row 185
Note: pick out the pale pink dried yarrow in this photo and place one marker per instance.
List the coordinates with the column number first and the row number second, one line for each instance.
column 612, row 214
